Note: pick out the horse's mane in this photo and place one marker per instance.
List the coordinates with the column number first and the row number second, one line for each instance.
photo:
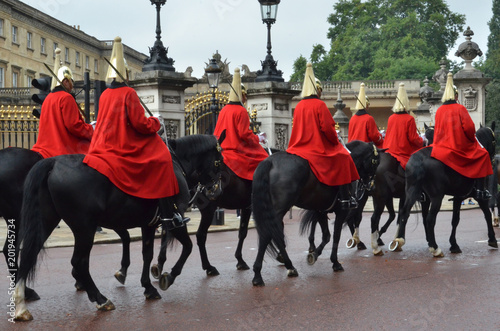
column 189, row 146
column 486, row 137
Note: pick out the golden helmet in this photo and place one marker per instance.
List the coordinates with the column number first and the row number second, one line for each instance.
column 64, row 73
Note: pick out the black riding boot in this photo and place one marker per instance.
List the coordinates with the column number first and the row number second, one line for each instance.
column 347, row 201
column 170, row 216
column 481, row 192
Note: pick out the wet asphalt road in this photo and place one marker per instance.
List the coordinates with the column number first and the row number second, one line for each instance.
column 408, row 290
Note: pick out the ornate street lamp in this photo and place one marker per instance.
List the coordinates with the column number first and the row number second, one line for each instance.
column 269, row 72
column 158, row 59
column 213, row 72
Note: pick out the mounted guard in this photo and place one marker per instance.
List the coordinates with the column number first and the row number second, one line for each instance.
column 455, row 142
column 127, row 149
column 362, row 126
column 314, row 138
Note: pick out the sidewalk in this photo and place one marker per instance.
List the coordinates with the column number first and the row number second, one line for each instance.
column 62, row 236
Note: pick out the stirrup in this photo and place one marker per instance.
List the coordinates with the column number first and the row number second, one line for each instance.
column 177, row 221
column 349, row 204
column 482, row 195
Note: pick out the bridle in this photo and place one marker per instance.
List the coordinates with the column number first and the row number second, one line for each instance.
column 213, row 189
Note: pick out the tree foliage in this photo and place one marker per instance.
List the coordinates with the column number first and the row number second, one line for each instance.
column 491, row 66
column 386, row 39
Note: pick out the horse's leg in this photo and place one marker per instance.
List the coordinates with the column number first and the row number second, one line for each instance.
column 148, row 237
column 357, row 215
column 392, row 216
column 322, row 219
column 264, row 241
column 242, row 234
column 430, row 224
column 378, row 209
column 156, row 269
column 312, row 232
column 454, row 248
column 121, row 274
column 340, row 215
column 182, row 235
column 12, row 241
column 492, row 241
column 207, row 215
column 84, row 239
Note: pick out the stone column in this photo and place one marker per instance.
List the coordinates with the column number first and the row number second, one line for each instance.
column 273, row 102
column 163, row 93
column 341, row 118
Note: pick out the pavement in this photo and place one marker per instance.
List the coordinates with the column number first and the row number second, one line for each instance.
column 63, row 237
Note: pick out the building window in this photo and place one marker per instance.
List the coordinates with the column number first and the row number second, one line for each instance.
column 42, row 46
column 15, row 77
column 55, row 46
column 96, row 66
column 14, row 34
column 2, row 77
column 1, row 27
column 87, row 62
column 77, row 58
column 66, row 55
column 29, row 39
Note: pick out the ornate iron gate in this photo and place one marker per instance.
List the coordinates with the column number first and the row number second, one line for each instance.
column 199, row 117
column 18, row 126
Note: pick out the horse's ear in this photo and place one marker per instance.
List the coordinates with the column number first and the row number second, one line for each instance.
column 493, row 126
column 222, row 137
column 480, row 125
column 425, row 126
column 382, row 150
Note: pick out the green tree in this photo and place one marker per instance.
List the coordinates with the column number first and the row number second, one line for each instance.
column 299, row 69
column 387, row 39
column 491, row 67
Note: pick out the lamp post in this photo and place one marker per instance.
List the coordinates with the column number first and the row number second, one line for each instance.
column 213, row 72
column 158, row 59
column 269, row 72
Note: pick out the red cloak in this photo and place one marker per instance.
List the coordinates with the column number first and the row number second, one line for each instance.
column 127, row 149
column 401, row 138
column 455, row 142
column 62, row 129
column 241, row 149
column 314, row 138
column 362, row 127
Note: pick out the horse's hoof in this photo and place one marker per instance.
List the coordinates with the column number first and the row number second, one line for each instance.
column 165, row 281
column 337, row 267
column 292, row 273
column 455, row 249
column 351, row 243
column 23, row 316
column 258, row 281
column 396, row 245
column 378, row 252
column 242, row 266
column 120, row 277
column 31, row 295
column 79, row 286
column 496, row 220
column 212, row 271
column 155, row 271
column 280, row 258
column 312, row 258
column 152, row 294
column 493, row 244
column 436, row 252
column 361, row 246
column 107, row 306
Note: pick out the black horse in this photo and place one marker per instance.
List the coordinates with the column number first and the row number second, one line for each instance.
column 15, row 163
column 231, row 192
column 63, row 187
column 284, row 180
column 428, row 175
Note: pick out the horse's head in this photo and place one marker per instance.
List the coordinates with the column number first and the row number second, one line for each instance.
column 429, row 133
column 486, row 136
column 366, row 157
column 200, row 156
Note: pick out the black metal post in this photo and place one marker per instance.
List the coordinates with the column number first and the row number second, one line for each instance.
column 86, row 88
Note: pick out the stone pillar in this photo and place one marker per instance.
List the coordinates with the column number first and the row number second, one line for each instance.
column 470, row 81
column 341, row 118
column 273, row 102
column 163, row 92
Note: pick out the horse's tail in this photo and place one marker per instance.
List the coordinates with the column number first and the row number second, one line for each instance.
column 32, row 233
column 414, row 179
column 311, row 218
column 263, row 212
